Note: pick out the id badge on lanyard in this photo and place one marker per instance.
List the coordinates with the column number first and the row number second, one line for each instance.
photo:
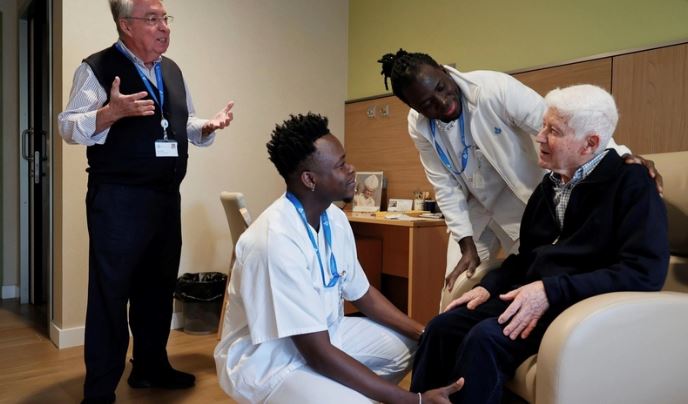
column 165, row 147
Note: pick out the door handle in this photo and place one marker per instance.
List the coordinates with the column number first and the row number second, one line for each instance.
column 26, row 144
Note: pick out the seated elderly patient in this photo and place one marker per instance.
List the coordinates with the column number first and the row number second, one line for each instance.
column 593, row 225
column 286, row 339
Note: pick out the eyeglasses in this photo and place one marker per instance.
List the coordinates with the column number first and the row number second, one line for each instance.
column 154, row 20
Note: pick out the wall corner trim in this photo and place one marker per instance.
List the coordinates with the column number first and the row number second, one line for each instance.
column 66, row 337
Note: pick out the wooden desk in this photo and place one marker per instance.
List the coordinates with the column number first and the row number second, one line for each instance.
column 406, row 258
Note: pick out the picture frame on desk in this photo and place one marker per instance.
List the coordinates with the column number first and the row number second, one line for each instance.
column 399, row 205
column 368, row 195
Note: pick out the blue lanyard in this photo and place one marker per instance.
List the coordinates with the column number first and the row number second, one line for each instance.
column 146, row 82
column 328, row 240
column 158, row 78
column 443, row 155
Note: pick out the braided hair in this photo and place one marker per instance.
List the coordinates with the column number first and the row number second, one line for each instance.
column 402, row 68
column 293, row 142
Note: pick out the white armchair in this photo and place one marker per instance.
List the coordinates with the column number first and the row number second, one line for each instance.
column 238, row 219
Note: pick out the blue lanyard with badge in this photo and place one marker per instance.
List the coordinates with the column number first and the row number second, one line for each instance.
column 163, row 147
column 328, row 241
column 443, row 155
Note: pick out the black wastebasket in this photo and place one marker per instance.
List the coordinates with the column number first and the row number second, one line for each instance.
column 201, row 295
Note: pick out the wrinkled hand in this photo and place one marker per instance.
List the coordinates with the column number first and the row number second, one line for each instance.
column 122, row 105
column 472, row 299
column 468, row 263
column 651, row 169
column 528, row 304
column 441, row 395
column 220, row 121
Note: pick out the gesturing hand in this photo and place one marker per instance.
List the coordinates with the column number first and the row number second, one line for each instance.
column 473, row 298
column 441, row 395
column 528, row 304
column 469, row 262
column 220, row 121
column 122, row 105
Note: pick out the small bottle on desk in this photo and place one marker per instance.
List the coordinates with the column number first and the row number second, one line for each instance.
column 418, row 200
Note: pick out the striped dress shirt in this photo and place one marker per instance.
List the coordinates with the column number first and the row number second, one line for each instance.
column 562, row 192
column 77, row 123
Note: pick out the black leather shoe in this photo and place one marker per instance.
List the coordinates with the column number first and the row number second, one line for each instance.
column 99, row 400
column 167, row 378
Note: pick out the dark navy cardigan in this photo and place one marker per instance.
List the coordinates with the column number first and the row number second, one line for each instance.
column 614, row 238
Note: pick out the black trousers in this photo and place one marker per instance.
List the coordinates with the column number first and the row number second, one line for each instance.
column 134, row 251
column 471, row 344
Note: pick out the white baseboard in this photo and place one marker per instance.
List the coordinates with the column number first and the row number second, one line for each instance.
column 71, row 337
column 66, row 337
column 10, row 292
column 177, row 321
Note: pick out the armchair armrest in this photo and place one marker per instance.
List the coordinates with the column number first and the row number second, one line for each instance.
column 625, row 347
column 464, row 284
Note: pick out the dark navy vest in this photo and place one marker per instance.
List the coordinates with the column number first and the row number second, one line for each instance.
column 128, row 155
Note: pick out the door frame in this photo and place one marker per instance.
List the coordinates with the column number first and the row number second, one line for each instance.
column 24, row 208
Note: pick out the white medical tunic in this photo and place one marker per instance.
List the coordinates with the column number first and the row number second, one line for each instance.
column 276, row 291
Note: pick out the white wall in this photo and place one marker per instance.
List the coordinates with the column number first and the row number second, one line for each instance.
column 272, row 57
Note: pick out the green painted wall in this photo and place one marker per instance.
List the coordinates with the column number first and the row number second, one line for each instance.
column 502, row 35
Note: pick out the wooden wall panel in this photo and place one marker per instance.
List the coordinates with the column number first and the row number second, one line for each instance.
column 596, row 72
column 651, row 90
column 383, row 143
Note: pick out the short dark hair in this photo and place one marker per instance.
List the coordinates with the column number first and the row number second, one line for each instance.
column 402, row 68
column 292, row 142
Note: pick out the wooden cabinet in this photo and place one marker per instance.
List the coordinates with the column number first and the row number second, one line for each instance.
column 413, row 256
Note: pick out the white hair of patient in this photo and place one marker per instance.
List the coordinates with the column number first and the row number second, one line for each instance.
column 586, row 109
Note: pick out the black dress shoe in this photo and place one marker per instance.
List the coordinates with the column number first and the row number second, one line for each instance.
column 99, row 400
column 167, row 378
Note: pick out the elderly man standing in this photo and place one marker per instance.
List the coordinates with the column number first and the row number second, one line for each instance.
column 131, row 107
column 593, row 225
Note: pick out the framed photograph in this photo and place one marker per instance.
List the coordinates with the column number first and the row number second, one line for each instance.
column 399, row 205
column 368, row 191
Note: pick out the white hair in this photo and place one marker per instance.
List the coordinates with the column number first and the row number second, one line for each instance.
column 121, row 9
column 587, row 109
